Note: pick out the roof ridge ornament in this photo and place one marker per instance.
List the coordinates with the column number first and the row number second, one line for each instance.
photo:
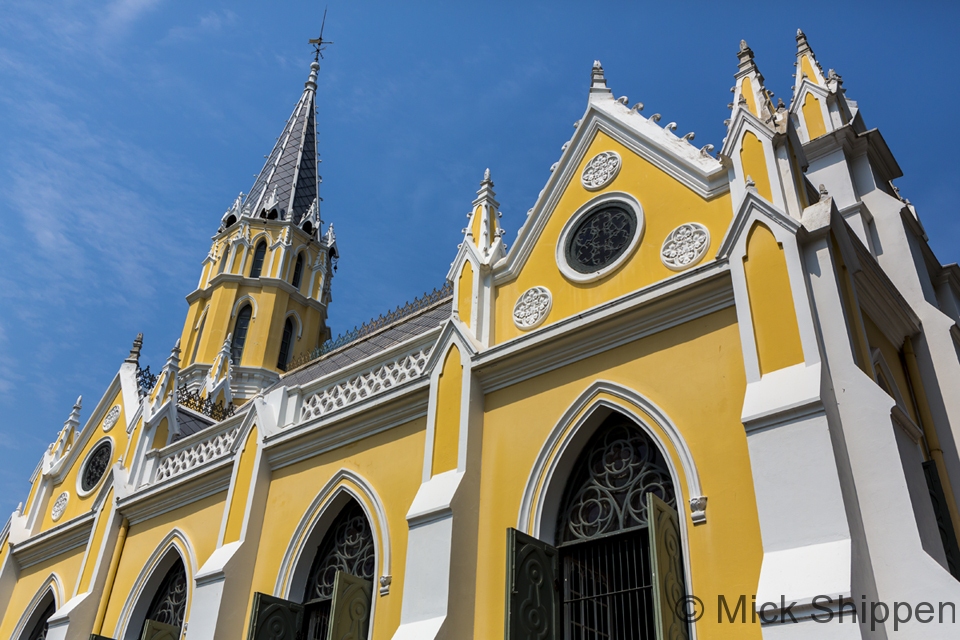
column 134, row 357
column 598, row 82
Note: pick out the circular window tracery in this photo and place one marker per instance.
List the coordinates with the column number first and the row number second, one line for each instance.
column 96, row 465
column 601, row 237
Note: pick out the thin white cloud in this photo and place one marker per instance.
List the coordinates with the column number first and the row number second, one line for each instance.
column 206, row 25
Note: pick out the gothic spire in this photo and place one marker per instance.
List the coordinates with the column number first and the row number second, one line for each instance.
column 288, row 183
column 749, row 91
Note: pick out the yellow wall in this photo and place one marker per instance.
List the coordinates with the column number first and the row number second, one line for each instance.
column 465, row 293
column 746, row 88
column 807, row 68
column 813, row 117
column 775, row 327
column 199, row 522
column 446, row 439
column 754, row 162
column 392, row 462
column 66, row 566
column 704, row 402
column 666, row 203
column 241, row 489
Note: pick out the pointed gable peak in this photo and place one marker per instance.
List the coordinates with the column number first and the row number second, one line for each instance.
column 288, row 183
column 483, row 230
column 807, row 65
column 749, row 92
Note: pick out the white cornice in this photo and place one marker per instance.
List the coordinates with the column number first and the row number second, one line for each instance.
column 70, row 535
column 203, row 481
column 263, row 283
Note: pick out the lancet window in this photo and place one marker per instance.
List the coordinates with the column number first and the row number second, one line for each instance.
column 39, row 630
column 286, row 342
column 297, row 271
column 258, row 255
column 240, row 334
column 169, row 604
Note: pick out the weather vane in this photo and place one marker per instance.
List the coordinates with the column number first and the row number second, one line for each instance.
column 319, row 44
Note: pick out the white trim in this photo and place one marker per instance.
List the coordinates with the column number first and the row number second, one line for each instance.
column 52, row 585
column 237, row 305
column 83, row 465
column 586, row 209
column 152, row 573
column 567, row 430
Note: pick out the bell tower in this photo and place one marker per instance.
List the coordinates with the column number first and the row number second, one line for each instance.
column 265, row 284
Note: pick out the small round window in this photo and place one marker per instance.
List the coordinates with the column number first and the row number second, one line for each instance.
column 602, row 236
column 96, row 465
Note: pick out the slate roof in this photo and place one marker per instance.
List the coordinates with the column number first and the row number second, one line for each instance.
column 405, row 329
column 190, row 422
column 291, row 168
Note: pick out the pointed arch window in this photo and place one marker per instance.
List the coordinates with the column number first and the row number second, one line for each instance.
column 39, row 630
column 258, row 255
column 297, row 272
column 285, row 344
column 617, row 562
column 240, row 334
column 169, row 603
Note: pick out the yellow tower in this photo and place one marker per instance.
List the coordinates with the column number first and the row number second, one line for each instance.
column 265, row 284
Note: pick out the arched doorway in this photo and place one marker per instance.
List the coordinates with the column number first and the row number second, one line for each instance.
column 616, row 570
column 167, row 590
column 36, row 627
column 335, row 601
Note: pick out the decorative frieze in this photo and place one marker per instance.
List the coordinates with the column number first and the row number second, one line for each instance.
column 685, row 246
column 59, row 506
column 110, row 420
column 183, row 460
column 601, row 170
column 365, row 385
column 532, row 308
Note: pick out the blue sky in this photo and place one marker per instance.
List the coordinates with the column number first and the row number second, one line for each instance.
column 128, row 127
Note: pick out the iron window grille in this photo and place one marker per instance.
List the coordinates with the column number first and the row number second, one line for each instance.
column 96, row 465
column 601, row 237
column 170, row 601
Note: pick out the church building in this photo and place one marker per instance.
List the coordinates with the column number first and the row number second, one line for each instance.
column 706, row 393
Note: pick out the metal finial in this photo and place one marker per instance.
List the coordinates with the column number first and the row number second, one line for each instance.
column 319, row 44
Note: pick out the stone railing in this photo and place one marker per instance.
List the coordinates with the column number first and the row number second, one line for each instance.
column 367, row 384
column 183, row 459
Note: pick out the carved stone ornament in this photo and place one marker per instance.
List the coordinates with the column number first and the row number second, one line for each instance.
column 601, row 170
column 532, row 308
column 59, row 506
column 685, row 246
column 110, row 420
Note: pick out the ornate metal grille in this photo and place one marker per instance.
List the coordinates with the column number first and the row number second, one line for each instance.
column 170, row 601
column 40, row 628
column 607, row 491
column 145, row 381
column 96, row 465
column 206, row 406
column 348, row 546
column 607, row 588
column 601, row 238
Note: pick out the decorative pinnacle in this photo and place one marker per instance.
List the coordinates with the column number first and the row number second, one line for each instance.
column 745, row 56
column 174, row 360
column 598, row 83
column 134, row 357
column 802, row 45
column 823, row 193
column 486, row 177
